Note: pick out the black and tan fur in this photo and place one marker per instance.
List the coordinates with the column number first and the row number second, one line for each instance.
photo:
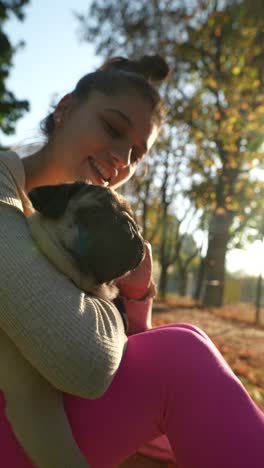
column 88, row 232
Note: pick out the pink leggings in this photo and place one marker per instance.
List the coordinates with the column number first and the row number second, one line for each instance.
column 171, row 380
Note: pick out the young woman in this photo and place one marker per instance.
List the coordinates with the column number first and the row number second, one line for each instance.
column 119, row 393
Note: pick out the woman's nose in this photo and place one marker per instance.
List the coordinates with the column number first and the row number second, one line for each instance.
column 121, row 157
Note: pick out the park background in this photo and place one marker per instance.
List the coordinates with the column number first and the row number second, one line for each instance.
column 199, row 196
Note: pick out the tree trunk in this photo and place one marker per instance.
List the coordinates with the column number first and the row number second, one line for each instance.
column 199, row 280
column 163, row 282
column 215, row 260
column 162, row 254
column 182, row 282
column 258, row 299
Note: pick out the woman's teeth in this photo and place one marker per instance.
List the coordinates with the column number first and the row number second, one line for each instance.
column 100, row 168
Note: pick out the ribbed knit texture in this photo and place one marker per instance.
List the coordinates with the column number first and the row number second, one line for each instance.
column 75, row 341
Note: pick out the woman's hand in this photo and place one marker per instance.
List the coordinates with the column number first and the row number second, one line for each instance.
column 137, row 283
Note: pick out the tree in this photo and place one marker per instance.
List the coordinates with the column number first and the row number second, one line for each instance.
column 215, row 49
column 186, row 255
column 153, row 192
column 225, row 115
column 259, row 235
column 11, row 109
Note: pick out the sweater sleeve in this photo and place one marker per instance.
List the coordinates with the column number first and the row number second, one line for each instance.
column 75, row 341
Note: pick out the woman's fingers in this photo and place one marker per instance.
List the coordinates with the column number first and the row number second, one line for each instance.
column 136, row 283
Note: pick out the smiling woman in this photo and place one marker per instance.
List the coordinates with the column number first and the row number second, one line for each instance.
column 98, row 132
column 98, row 136
column 101, row 377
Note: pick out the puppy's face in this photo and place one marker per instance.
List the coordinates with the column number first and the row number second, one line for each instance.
column 95, row 225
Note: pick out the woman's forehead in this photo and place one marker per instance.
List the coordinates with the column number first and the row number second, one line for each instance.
column 133, row 105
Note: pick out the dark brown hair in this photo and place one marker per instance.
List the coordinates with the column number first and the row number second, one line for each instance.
column 119, row 75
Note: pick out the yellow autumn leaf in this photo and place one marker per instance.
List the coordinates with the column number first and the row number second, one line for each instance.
column 208, row 162
column 232, row 164
column 251, row 117
column 231, row 147
column 236, row 70
column 218, row 31
column 217, row 115
column 260, row 109
column 244, row 105
column 212, row 82
column 220, row 211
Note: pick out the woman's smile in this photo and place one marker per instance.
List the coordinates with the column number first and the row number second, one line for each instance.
column 100, row 170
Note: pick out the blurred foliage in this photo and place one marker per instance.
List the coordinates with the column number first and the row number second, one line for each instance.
column 215, row 125
column 11, row 109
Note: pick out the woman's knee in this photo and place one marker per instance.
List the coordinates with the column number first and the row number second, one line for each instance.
column 185, row 326
column 188, row 351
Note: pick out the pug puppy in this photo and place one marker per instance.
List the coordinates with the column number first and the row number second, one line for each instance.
column 89, row 233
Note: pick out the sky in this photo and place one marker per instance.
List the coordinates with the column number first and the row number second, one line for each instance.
column 50, row 64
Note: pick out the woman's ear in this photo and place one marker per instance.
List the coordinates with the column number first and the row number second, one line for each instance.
column 62, row 109
column 52, row 200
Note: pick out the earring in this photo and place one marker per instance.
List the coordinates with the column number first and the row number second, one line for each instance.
column 58, row 120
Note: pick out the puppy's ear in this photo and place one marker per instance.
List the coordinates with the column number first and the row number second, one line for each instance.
column 52, row 200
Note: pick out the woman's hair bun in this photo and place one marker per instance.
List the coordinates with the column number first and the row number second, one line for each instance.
column 152, row 67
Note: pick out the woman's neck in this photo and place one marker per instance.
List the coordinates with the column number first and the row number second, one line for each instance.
column 38, row 169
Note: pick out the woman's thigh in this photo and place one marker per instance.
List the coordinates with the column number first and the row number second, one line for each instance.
column 114, row 426
column 172, row 380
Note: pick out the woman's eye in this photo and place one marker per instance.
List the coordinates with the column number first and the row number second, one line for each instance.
column 136, row 156
column 114, row 132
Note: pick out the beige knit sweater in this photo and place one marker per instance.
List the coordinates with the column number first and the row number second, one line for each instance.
column 75, row 341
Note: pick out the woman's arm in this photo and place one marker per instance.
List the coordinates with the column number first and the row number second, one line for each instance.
column 76, row 342
column 139, row 314
column 137, row 291
column 41, row 426
column 36, row 412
